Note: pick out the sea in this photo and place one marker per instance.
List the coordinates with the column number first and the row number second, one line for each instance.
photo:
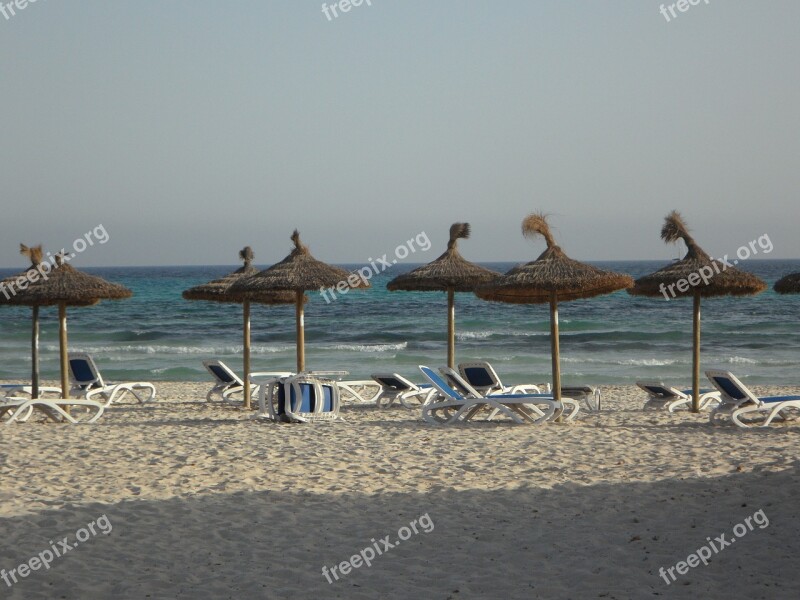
column 158, row 336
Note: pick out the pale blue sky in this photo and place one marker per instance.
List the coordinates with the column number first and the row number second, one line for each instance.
column 191, row 128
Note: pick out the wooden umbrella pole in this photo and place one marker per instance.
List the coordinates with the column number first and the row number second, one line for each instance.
column 696, row 354
column 554, row 345
column 35, row 354
column 301, row 338
column 451, row 328
column 62, row 342
column 246, row 352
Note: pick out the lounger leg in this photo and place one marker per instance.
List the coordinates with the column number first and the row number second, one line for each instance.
column 743, row 411
column 675, row 404
column 777, row 411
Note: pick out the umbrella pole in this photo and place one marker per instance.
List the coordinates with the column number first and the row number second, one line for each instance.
column 301, row 338
column 696, row 354
column 451, row 328
column 246, row 351
column 62, row 342
column 554, row 346
column 35, row 354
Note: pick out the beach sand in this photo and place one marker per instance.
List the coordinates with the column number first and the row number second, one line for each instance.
column 205, row 503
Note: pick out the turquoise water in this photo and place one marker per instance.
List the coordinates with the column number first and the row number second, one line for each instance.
column 156, row 335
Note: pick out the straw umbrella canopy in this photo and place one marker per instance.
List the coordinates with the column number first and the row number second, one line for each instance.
column 551, row 278
column 449, row 273
column 59, row 284
column 299, row 272
column 697, row 275
column 789, row 284
column 218, row 290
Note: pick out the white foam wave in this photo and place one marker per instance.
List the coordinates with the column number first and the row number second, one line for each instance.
column 367, row 347
column 741, row 360
column 164, row 349
column 646, row 362
column 473, row 335
column 633, row 362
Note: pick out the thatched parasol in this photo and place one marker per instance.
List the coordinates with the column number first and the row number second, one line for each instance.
column 696, row 275
column 46, row 284
column 789, row 284
column 298, row 272
column 550, row 278
column 449, row 273
column 218, row 290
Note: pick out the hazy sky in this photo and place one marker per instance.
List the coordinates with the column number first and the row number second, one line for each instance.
column 191, row 128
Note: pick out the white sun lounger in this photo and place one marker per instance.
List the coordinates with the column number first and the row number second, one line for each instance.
column 482, row 376
column 299, row 399
column 20, row 389
column 227, row 383
column 567, row 412
column 660, row 395
column 365, row 391
column 738, row 401
column 395, row 387
column 20, row 409
column 453, row 407
column 87, row 383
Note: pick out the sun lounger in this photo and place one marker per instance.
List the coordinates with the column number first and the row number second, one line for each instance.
column 20, row 409
column 660, row 395
column 227, row 383
column 364, row 391
column 87, row 383
column 20, row 389
column 567, row 412
column 589, row 394
column 738, row 401
column 482, row 376
column 299, row 399
column 454, row 407
column 396, row 387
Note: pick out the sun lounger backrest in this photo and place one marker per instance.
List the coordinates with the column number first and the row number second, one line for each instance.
column 658, row 390
column 439, row 383
column 727, row 383
column 480, row 375
column 83, row 371
column 306, row 397
column 220, row 372
column 393, row 381
column 456, row 382
column 327, row 399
